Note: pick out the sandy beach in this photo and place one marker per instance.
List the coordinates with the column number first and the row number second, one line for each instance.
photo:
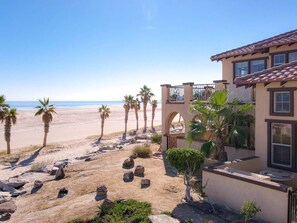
column 70, row 124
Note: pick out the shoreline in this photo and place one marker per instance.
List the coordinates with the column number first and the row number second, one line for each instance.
column 71, row 124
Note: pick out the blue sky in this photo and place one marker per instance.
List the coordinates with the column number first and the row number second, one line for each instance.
column 102, row 50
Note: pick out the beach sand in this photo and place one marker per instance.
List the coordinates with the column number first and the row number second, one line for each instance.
column 71, row 124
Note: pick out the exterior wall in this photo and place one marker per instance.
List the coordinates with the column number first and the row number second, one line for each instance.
column 233, row 192
column 262, row 113
column 227, row 71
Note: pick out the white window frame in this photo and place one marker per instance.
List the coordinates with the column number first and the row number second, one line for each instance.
column 274, row 102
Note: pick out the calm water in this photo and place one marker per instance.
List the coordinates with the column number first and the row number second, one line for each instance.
column 26, row 105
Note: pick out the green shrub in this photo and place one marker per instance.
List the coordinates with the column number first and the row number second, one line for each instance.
column 142, row 151
column 156, row 138
column 248, row 210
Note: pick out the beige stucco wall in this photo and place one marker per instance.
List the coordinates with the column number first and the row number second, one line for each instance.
column 232, row 193
column 262, row 113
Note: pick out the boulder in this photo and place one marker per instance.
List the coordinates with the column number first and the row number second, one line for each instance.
column 101, row 192
column 60, row 173
column 5, row 216
column 145, row 183
column 61, row 163
column 128, row 163
column 53, row 171
column 62, row 192
column 37, row 184
column 17, row 184
column 128, row 176
column 8, row 188
column 139, row 171
column 8, row 207
column 2, row 184
column 162, row 218
column 17, row 193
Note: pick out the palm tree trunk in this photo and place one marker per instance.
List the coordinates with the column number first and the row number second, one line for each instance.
column 46, row 130
column 102, row 127
column 7, row 133
column 126, row 121
column 144, row 115
column 136, row 115
column 222, row 155
column 153, row 117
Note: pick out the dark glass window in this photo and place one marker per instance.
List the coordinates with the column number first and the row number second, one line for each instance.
column 279, row 59
column 257, row 65
column 292, row 56
column 241, row 68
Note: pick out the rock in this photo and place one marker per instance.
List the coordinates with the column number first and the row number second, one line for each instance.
column 5, row 216
column 133, row 156
column 60, row 174
column 2, row 199
column 145, row 183
column 82, row 157
column 128, row 176
column 17, row 193
column 128, row 163
column 139, row 171
column 17, row 184
column 37, row 184
column 2, row 184
column 162, row 218
column 101, row 192
column 8, row 188
column 102, row 149
column 54, row 170
column 119, row 147
column 62, row 192
column 61, row 163
column 8, row 207
column 88, row 159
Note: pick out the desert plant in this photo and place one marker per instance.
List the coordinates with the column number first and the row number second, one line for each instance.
column 142, row 151
column 187, row 162
column 249, row 210
column 222, row 120
column 135, row 105
column 38, row 166
column 145, row 94
column 46, row 110
column 128, row 100
column 156, row 138
column 104, row 114
column 9, row 118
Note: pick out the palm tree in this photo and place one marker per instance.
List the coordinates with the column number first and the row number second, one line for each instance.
column 128, row 99
column 154, row 106
column 222, row 120
column 2, row 106
column 46, row 111
column 146, row 95
column 104, row 113
column 136, row 107
column 10, row 118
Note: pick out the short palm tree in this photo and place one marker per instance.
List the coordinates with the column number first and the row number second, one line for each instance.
column 2, row 106
column 222, row 120
column 145, row 94
column 9, row 118
column 136, row 107
column 154, row 106
column 46, row 110
column 128, row 100
column 104, row 114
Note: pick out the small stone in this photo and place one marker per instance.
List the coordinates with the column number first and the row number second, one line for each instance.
column 101, row 192
column 88, row 159
column 17, row 193
column 128, row 176
column 17, row 184
column 61, row 163
column 60, row 174
column 139, row 171
column 145, row 183
column 62, row 192
column 54, row 170
column 37, row 184
column 128, row 163
column 5, row 216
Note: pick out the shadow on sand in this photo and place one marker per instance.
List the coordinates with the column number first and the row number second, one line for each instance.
column 27, row 161
column 169, row 170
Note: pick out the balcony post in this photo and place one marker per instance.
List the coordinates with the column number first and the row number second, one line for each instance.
column 188, row 89
column 165, row 98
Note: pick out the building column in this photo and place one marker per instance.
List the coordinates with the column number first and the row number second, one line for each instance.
column 165, row 97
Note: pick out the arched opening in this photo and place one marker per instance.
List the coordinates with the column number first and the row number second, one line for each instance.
column 175, row 127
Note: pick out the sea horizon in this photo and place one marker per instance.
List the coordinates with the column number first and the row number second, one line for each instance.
column 28, row 105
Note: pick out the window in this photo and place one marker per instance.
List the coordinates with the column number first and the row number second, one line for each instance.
column 282, row 101
column 279, row 59
column 284, row 57
column 281, row 144
column 292, row 56
column 242, row 68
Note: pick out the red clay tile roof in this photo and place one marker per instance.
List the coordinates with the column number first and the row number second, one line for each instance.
column 282, row 73
column 261, row 46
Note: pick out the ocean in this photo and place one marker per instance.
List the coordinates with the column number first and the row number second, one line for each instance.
column 27, row 105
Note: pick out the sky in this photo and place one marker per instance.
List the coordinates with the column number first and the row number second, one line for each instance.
column 105, row 49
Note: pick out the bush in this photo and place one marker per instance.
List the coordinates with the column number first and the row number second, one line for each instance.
column 142, row 151
column 38, row 166
column 248, row 210
column 156, row 138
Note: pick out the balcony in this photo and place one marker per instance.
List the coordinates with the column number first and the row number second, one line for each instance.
column 202, row 92
column 176, row 94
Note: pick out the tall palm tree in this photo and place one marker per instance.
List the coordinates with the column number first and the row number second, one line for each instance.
column 46, row 111
column 10, row 118
column 104, row 113
column 222, row 120
column 136, row 107
column 146, row 95
column 128, row 99
column 154, row 104
column 2, row 106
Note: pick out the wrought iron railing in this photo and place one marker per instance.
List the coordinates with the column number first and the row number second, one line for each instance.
column 176, row 94
column 203, row 91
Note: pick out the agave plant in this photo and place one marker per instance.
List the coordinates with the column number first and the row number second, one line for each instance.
column 46, row 111
column 104, row 114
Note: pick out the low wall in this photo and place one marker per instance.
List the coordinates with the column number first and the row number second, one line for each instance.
column 233, row 188
column 233, row 153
